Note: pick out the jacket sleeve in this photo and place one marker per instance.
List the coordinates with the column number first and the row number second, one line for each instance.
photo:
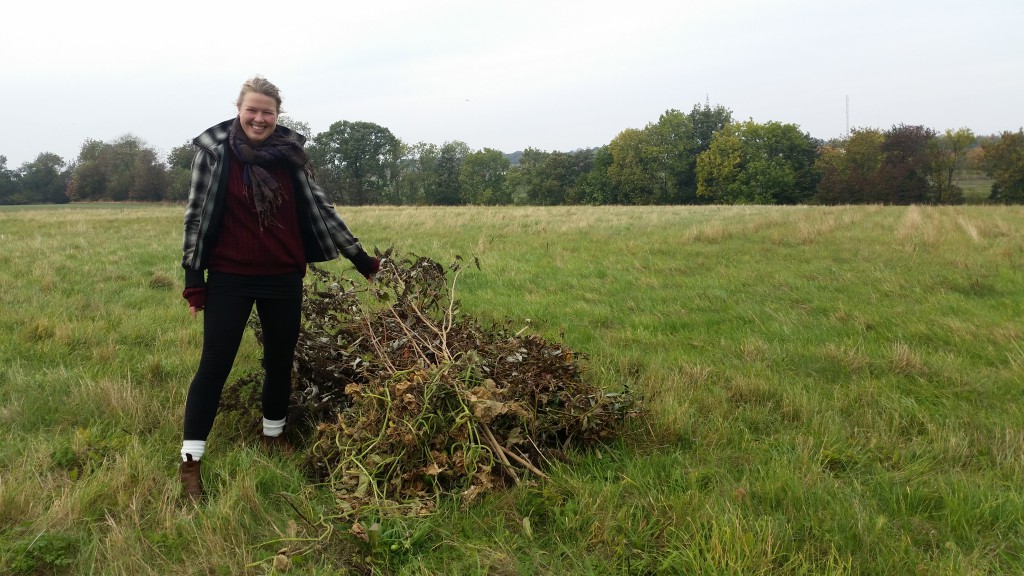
column 195, row 214
column 330, row 229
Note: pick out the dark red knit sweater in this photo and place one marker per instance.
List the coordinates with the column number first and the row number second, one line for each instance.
column 242, row 248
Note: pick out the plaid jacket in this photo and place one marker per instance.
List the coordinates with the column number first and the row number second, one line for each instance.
column 324, row 234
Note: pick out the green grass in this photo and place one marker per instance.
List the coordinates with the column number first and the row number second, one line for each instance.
column 831, row 391
column 976, row 190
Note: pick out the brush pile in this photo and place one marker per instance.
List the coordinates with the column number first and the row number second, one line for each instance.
column 399, row 397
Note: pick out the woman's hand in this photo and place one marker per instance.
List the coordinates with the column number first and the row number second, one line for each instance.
column 196, row 297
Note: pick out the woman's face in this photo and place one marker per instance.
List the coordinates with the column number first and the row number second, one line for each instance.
column 258, row 116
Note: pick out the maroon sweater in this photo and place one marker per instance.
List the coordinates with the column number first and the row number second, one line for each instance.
column 242, row 247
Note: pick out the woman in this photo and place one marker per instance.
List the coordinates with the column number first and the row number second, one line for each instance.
column 255, row 217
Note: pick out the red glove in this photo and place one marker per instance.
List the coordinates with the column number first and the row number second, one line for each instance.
column 366, row 265
column 196, row 297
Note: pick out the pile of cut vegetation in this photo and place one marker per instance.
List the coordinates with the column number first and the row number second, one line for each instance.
column 400, row 397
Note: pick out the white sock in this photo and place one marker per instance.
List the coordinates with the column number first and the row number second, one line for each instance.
column 273, row 428
column 193, row 447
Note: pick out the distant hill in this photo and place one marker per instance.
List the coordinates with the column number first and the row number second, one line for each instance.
column 513, row 158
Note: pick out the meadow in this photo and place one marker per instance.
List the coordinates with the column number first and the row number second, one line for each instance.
column 830, row 390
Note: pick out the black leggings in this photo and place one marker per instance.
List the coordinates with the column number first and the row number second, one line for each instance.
column 224, row 321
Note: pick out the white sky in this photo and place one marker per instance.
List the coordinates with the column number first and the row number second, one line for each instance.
column 548, row 74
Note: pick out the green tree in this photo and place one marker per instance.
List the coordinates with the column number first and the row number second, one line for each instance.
column 683, row 139
column 90, row 172
column 122, row 175
column 706, row 122
column 444, row 187
column 125, row 169
column 594, row 187
column 549, row 178
column 525, row 179
column 357, row 163
column 416, row 172
column 44, row 180
column 948, row 154
column 833, row 187
column 571, row 171
column 296, row 125
column 9, row 185
column 637, row 169
column 149, row 177
column 179, row 172
column 1003, row 160
column 658, row 164
column 673, row 157
column 482, row 177
column 849, row 169
column 751, row 163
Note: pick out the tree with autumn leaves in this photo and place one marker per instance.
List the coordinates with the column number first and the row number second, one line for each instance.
column 902, row 165
column 696, row 157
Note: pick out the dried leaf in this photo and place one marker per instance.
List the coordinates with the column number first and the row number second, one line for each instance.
column 359, row 531
column 282, row 563
column 485, row 411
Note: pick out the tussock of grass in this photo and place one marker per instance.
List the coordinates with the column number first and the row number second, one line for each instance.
column 905, row 362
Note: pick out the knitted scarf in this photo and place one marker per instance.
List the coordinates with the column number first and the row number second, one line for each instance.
column 256, row 180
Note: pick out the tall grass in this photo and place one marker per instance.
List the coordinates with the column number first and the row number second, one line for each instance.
column 831, row 391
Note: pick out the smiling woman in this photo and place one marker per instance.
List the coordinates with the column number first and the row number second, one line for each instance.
column 255, row 218
column 259, row 104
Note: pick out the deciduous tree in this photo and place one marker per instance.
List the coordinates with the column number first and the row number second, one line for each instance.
column 9, row 186
column 702, row 124
column 417, row 172
column 751, row 163
column 296, row 125
column 637, row 169
column 907, row 166
column 526, row 178
column 149, row 177
column 849, row 169
column 445, row 188
column 594, row 187
column 44, row 180
column 950, row 158
column 179, row 172
column 125, row 169
column 90, row 172
column 357, row 162
column 482, row 177
column 549, row 178
column 1004, row 162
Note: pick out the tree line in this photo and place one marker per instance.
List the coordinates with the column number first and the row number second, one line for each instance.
column 698, row 157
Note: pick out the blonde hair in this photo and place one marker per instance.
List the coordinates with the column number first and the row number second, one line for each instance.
column 260, row 85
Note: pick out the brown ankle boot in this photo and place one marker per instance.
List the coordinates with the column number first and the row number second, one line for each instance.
column 277, row 444
column 191, row 483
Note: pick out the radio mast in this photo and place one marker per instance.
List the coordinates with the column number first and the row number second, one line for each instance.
column 847, row 116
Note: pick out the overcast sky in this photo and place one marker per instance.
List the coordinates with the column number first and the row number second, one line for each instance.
column 548, row 74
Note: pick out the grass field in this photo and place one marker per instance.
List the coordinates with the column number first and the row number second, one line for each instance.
column 976, row 190
column 831, row 391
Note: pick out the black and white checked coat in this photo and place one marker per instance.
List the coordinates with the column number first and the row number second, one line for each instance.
column 324, row 234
